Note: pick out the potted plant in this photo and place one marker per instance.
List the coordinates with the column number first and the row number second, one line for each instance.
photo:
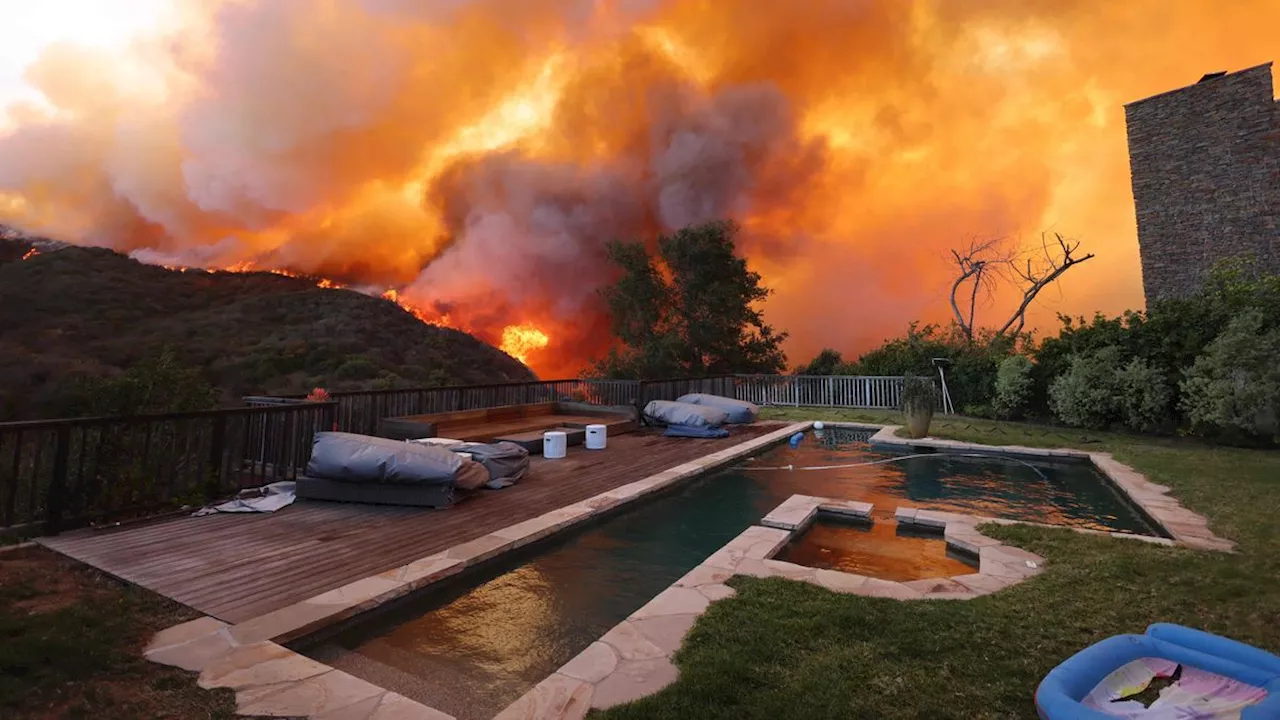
column 919, row 397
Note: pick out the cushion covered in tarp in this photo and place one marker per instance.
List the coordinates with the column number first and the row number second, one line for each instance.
column 506, row 462
column 348, row 457
column 740, row 411
column 665, row 412
column 689, row 431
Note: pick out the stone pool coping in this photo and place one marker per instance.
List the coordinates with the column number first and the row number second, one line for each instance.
column 270, row 679
column 1187, row 528
column 633, row 659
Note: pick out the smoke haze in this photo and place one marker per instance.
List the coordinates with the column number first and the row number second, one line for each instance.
column 477, row 154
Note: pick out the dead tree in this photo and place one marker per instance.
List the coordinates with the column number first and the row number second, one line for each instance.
column 988, row 263
column 981, row 263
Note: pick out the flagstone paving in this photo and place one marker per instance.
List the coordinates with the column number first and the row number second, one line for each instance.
column 634, row 658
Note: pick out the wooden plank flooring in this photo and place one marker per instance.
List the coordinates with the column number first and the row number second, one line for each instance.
column 238, row 566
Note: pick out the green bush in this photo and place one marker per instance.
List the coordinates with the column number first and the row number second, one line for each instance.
column 827, row 362
column 159, row 384
column 1013, row 386
column 1170, row 335
column 918, row 394
column 970, row 370
column 1234, row 387
column 1085, row 395
column 357, row 368
column 1143, row 397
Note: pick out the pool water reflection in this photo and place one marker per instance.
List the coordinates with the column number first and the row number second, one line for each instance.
column 881, row 550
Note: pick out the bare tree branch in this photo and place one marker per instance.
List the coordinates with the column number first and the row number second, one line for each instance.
column 986, row 263
column 975, row 263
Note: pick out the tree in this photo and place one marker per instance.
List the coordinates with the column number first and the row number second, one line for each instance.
column 1234, row 387
column 827, row 362
column 690, row 309
column 1013, row 386
column 157, row 384
column 987, row 263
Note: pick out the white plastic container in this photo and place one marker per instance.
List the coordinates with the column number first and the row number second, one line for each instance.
column 553, row 444
column 597, row 437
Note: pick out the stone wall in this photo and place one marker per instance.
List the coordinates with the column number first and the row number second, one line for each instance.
column 1205, row 164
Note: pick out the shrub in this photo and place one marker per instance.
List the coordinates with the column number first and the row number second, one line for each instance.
column 1234, row 387
column 918, row 394
column 1086, row 394
column 1143, row 396
column 827, row 362
column 357, row 368
column 159, row 384
column 970, row 372
column 1013, row 386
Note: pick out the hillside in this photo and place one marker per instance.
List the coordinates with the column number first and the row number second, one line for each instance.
column 74, row 312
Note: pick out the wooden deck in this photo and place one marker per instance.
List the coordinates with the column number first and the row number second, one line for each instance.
column 238, row 566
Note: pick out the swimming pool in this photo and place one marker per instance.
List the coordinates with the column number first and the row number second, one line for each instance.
column 884, row 550
column 1070, row 492
column 478, row 642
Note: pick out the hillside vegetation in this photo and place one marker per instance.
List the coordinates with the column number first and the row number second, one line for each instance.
column 75, row 313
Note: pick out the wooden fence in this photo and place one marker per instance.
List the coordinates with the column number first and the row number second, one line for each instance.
column 360, row 411
column 62, row 473
column 845, row 391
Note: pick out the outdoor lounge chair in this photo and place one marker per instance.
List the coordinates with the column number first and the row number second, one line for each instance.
column 1216, row 678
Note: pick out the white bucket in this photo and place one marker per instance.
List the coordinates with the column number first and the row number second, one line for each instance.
column 553, row 444
column 596, row 437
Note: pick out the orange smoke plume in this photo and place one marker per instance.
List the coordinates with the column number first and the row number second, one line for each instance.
column 478, row 154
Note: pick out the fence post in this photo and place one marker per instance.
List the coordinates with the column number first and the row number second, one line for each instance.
column 217, row 448
column 327, row 414
column 56, row 500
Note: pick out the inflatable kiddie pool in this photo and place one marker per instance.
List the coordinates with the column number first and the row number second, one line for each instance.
column 1213, row 678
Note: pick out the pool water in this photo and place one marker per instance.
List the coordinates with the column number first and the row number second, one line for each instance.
column 1068, row 492
column 476, row 644
column 883, row 550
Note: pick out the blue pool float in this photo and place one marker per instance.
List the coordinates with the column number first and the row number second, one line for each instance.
column 795, row 439
column 1062, row 693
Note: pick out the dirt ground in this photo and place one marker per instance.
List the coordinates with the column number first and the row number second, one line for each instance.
column 71, row 643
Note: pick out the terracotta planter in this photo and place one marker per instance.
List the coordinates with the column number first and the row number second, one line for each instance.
column 918, row 420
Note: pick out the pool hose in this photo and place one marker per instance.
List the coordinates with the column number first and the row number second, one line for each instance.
column 902, row 457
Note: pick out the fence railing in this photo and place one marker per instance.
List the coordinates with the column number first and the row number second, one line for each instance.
column 672, row 389
column 61, row 473
column 847, row 391
column 360, row 411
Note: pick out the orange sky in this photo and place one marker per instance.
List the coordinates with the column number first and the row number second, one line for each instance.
column 476, row 154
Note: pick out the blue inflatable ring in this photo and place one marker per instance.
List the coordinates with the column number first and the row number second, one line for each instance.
column 1062, row 691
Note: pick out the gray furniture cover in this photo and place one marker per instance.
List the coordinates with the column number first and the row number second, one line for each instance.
column 665, row 412
column 506, row 462
column 740, row 411
column 430, row 496
column 358, row 468
column 364, row 459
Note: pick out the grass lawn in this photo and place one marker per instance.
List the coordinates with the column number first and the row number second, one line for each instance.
column 71, row 643
column 786, row 649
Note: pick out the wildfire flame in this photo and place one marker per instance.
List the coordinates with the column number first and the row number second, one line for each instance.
column 476, row 155
column 30, row 254
column 519, row 341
